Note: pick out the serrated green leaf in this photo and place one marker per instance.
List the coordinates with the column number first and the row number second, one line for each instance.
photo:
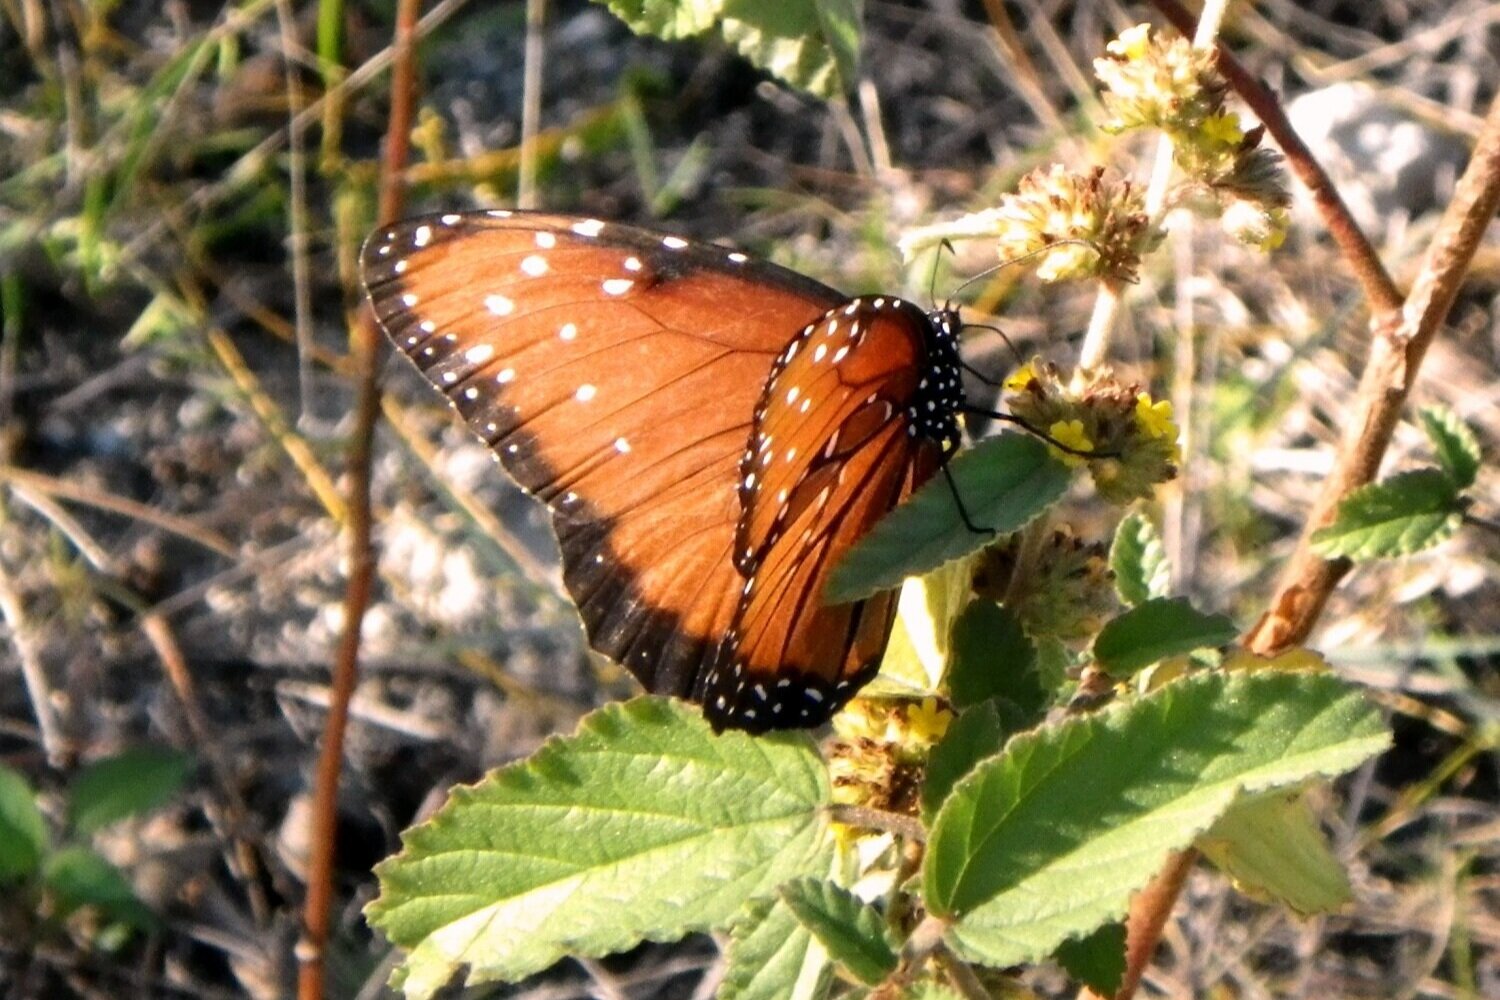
column 812, row 44
column 1005, row 481
column 975, row 735
column 1394, row 517
column 1272, row 846
column 1454, row 441
column 23, row 833
column 77, row 877
column 1096, row 960
column 129, row 784
column 773, row 957
column 668, row 19
column 992, row 657
column 1155, row 630
column 1048, row 840
column 852, row 932
column 1139, row 561
column 644, row 824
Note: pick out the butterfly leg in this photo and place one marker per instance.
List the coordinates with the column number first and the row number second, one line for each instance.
column 1035, row 431
column 959, row 501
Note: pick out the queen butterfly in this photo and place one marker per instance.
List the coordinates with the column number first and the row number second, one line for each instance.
column 710, row 433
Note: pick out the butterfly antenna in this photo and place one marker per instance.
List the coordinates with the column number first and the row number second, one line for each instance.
column 1015, row 352
column 1018, row 260
column 932, row 278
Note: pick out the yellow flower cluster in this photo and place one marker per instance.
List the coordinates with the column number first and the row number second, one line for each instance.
column 1132, row 436
column 1168, row 84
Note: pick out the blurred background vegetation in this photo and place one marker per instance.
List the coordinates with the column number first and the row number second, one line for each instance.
column 183, row 189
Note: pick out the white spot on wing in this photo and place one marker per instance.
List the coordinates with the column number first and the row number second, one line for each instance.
column 479, row 354
column 617, row 286
column 408, row 300
column 568, row 331
column 585, row 392
column 422, row 236
column 588, row 227
column 673, row 242
column 738, row 257
column 632, row 263
column 535, row 265
column 499, row 305
column 546, row 240
column 505, row 375
column 622, row 446
column 499, row 213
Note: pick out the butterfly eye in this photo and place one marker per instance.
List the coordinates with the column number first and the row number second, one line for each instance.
column 710, row 432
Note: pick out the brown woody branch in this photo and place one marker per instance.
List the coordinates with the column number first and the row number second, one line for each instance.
column 1402, row 332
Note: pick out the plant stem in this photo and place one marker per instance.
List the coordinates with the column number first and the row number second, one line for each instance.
column 364, row 342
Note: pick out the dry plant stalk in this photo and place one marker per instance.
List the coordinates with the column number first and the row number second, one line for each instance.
column 364, row 349
column 1402, row 332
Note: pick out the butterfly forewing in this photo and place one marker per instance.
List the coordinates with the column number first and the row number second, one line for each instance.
column 830, row 453
column 616, row 373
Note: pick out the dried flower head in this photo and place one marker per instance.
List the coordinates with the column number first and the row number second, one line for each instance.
column 1066, row 592
column 1082, row 225
column 1158, row 82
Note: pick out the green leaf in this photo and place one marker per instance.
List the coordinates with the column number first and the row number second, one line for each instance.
column 1096, row 960
column 668, row 19
column 1395, row 517
column 812, row 44
column 1272, row 846
column 975, row 735
column 1153, row 631
column 993, row 658
column 852, row 932
column 1139, row 561
column 773, row 957
column 78, row 877
column 129, row 784
column 1005, row 481
column 1454, row 441
column 644, row 824
column 23, row 834
column 1048, row 840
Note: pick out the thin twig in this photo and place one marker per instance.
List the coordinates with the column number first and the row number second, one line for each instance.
column 531, row 102
column 173, row 523
column 879, row 819
column 364, row 349
column 302, row 314
column 1402, row 337
column 33, row 674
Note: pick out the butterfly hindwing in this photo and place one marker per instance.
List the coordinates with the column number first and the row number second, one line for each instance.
column 831, row 452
